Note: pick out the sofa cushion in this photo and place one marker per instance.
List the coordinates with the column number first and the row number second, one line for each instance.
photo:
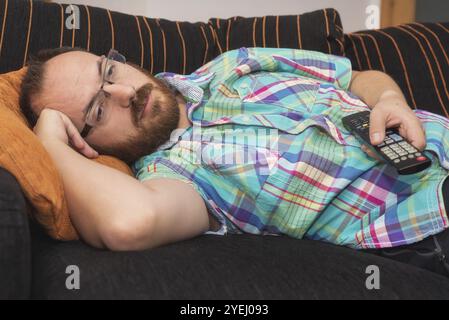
column 226, row 267
column 416, row 55
column 319, row 30
column 154, row 44
column 22, row 154
column 15, row 247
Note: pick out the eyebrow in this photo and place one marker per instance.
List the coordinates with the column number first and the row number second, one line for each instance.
column 91, row 102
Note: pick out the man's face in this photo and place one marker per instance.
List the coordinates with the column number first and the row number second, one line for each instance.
column 137, row 116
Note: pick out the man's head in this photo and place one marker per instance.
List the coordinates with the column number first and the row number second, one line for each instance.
column 131, row 112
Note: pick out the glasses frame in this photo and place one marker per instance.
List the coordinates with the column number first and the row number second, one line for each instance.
column 113, row 55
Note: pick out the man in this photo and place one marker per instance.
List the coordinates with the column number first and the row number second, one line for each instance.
column 251, row 142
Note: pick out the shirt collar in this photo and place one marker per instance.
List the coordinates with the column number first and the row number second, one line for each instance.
column 192, row 88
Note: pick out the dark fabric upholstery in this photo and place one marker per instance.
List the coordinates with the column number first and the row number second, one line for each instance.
column 415, row 55
column 319, row 30
column 230, row 267
column 155, row 44
column 15, row 252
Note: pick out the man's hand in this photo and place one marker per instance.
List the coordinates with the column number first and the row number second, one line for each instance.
column 391, row 110
column 54, row 125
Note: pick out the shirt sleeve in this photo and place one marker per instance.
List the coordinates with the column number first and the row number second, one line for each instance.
column 322, row 67
column 148, row 168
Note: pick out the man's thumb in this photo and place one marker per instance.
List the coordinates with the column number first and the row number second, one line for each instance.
column 377, row 127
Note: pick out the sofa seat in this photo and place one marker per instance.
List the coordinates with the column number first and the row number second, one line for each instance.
column 228, row 267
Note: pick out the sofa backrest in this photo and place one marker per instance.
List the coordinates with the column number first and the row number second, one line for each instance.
column 319, row 31
column 416, row 55
column 155, row 44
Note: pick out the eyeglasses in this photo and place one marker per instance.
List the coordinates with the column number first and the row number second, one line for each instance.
column 97, row 111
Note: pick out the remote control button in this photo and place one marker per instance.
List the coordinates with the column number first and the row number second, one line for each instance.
column 409, row 149
column 381, row 145
column 388, row 141
column 393, row 156
column 418, row 154
column 397, row 161
column 396, row 137
column 411, row 156
column 421, row 158
column 403, row 158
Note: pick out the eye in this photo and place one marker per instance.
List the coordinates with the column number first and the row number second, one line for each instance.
column 110, row 71
column 100, row 112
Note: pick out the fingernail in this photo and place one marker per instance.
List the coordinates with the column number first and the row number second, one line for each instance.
column 375, row 137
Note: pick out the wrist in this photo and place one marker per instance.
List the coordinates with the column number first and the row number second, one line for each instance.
column 390, row 94
column 51, row 142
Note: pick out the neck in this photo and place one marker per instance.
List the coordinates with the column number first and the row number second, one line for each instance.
column 184, row 121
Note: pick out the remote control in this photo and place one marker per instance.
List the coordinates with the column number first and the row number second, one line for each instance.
column 395, row 150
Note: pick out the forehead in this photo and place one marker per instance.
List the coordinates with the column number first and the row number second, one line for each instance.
column 70, row 81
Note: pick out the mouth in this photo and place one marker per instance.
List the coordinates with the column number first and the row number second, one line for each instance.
column 148, row 105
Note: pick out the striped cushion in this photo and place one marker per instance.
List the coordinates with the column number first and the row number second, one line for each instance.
column 415, row 55
column 155, row 44
column 319, row 30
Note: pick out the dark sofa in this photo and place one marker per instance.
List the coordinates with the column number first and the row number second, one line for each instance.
column 208, row 267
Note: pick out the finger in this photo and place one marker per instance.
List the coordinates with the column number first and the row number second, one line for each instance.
column 415, row 134
column 377, row 126
column 371, row 153
column 75, row 137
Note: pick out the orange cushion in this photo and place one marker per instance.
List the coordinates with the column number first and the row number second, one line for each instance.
column 22, row 154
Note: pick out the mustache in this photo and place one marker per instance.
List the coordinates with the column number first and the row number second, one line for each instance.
column 139, row 101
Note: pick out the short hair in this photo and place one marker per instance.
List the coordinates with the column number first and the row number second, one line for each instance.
column 32, row 81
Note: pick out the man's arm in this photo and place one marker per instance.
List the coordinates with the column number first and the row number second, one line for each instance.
column 372, row 86
column 113, row 210
column 389, row 107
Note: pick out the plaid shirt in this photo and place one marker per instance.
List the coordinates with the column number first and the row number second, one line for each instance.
column 268, row 153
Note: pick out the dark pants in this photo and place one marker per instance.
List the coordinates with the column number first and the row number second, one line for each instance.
column 432, row 253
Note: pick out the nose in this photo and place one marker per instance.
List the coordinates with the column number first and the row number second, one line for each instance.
column 122, row 94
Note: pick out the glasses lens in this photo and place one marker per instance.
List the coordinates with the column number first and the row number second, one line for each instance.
column 97, row 113
column 116, row 56
column 113, row 62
